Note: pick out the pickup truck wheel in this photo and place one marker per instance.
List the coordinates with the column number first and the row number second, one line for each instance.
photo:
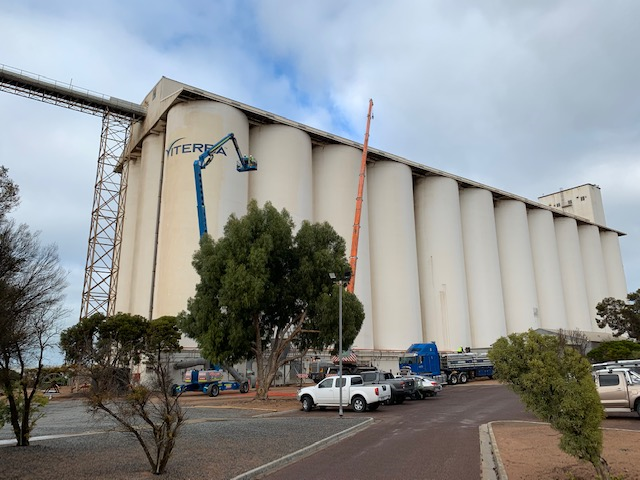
column 399, row 399
column 359, row 404
column 244, row 387
column 463, row 378
column 307, row 403
column 214, row 390
column 373, row 407
column 453, row 379
column 638, row 407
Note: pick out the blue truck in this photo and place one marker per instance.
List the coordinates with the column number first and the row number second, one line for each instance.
column 451, row 368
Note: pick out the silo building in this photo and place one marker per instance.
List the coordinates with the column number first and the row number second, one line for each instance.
column 441, row 258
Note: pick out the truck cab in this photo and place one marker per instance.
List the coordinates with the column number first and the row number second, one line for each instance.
column 619, row 390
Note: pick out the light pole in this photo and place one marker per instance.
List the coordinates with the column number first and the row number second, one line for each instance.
column 340, row 282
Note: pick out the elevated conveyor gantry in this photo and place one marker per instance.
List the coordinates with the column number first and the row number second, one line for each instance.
column 107, row 213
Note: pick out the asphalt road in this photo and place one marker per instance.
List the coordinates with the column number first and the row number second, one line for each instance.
column 435, row 438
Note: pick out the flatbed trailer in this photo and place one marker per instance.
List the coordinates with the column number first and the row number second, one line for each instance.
column 208, row 382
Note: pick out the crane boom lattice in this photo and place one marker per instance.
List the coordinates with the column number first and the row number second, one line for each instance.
column 353, row 259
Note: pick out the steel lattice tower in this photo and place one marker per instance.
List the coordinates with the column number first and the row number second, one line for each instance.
column 107, row 214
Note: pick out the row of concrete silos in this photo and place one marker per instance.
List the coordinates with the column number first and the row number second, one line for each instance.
column 436, row 261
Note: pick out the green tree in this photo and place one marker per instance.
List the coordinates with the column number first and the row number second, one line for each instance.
column 554, row 382
column 263, row 289
column 108, row 347
column 622, row 317
column 615, row 350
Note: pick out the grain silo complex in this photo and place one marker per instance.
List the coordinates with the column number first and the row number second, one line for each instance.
column 441, row 258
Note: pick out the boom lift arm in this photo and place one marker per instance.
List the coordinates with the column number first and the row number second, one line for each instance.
column 244, row 164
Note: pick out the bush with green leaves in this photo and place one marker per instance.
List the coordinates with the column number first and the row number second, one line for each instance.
column 614, row 351
column 554, row 382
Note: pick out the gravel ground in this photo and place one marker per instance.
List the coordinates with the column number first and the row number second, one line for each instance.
column 215, row 443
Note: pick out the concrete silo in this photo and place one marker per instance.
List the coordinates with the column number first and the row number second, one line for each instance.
column 191, row 127
column 284, row 175
column 573, row 282
column 336, row 171
column 482, row 264
column 595, row 272
column 546, row 265
column 137, row 258
column 443, row 285
column 394, row 261
column 616, row 282
column 435, row 262
column 516, row 266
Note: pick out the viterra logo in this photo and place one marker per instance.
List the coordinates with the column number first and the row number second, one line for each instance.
column 184, row 148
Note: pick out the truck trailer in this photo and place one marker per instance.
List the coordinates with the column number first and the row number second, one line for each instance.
column 451, row 368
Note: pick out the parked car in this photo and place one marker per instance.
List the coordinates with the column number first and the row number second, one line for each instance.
column 425, row 386
column 428, row 386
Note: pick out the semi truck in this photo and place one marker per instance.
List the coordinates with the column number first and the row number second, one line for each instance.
column 445, row 367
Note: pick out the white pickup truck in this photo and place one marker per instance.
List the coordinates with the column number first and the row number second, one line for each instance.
column 354, row 393
column 619, row 389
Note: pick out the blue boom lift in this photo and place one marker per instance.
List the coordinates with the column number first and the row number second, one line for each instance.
column 244, row 164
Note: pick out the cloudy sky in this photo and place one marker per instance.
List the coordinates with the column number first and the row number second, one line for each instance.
column 528, row 97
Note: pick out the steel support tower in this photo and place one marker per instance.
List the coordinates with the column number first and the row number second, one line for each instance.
column 107, row 213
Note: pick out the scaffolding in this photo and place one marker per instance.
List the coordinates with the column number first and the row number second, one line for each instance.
column 107, row 214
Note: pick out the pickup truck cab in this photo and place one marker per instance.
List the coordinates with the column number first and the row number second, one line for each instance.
column 354, row 393
column 619, row 390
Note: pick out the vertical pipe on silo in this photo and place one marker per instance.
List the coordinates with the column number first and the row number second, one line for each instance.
column 572, row 271
column 284, row 175
column 482, row 264
column 190, row 127
column 336, row 170
column 616, row 281
column 551, row 309
column 394, row 264
column 443, row 288
column 516, row 266
column 594, row 269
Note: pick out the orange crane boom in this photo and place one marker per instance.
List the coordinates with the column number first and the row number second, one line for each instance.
column 353, row 259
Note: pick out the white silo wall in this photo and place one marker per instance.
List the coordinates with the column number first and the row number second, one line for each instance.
column 336, row 172
column 225, row 191
column 616, row 281
column 516, row 266
column 546, row 265
column 594, row 269
column 573, row 283
column 129, row 237
column 394, row 262
column 147, row 224
column 284, row 175
column 443, row 284
column 482, row 263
